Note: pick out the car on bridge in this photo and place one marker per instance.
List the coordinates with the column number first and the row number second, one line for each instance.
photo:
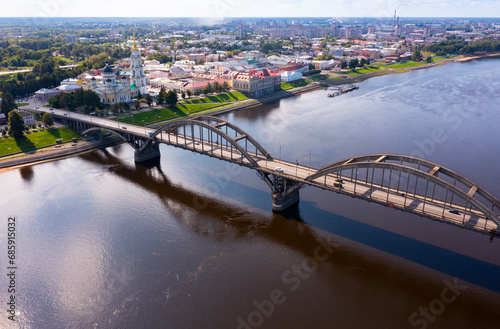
column 454, row 211
column 338, row 183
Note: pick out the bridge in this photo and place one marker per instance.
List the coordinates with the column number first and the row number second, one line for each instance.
column 397, row 181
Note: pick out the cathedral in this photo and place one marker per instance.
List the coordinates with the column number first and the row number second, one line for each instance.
column 111, row 91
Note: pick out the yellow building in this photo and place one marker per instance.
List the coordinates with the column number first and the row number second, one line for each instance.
column 110, row 91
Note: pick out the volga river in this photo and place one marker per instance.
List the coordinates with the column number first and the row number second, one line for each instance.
column 191, row 242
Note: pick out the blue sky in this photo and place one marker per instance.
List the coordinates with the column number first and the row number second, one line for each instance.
column 245, row 8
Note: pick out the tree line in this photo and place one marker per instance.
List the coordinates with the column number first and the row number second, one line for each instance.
column 462, row 47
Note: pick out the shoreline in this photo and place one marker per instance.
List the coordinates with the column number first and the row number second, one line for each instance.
column 52, row 155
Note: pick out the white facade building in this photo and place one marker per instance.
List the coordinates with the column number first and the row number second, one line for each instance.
column 288, row 76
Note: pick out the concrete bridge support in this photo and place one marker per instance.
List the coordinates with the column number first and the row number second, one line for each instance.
column 148, row 152
column 285, row 192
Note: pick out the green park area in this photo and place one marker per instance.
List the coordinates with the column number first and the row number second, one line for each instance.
column 184, row 108
column 294, row 84
column 35, row 140
column 225, row 97
column 401, row 65
column 166, row 113
column 319, row 77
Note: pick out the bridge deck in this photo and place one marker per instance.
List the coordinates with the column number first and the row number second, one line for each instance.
column 223, row 149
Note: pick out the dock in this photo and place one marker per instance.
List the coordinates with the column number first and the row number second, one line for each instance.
column 342, row 90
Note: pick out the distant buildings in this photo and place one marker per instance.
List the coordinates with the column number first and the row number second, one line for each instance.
column 256, row 84
column 44, row 94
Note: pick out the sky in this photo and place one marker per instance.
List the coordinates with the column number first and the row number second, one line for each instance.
column 219, row 9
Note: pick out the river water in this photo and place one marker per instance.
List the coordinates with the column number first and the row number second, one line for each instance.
column 191, row 241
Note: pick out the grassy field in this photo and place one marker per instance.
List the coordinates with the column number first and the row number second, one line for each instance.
column 403, row 65
column 335, row 78
column 23, row 104
column 166, row 113
column 319, row 77
column 221, row 98
column 35, row 140
column 294, row 84
column 438, row 58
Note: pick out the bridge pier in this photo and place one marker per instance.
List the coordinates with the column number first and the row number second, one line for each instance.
column 285, row 193
column 282, row 201
column 151, row 151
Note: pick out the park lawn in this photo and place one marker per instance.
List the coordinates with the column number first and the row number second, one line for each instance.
column 166, row 113
column 404, row 65
column 438, row 58
column 23, row 104
column 232, row 96
column 36, row 140
column 352, row 73
column 369, row 69
column 286, row 85
column 295, row 84
column 319, row 77
column 335, row 78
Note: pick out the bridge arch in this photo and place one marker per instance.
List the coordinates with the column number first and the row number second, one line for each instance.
column 184, row 123
column 106, row 129
column 425, row 170
column 238, row 130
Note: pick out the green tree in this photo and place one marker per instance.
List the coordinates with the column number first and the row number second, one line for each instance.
column 47, row 119
column 362, row 62
column 171, row 98
column 353, row 63
column 207, row 89
column 189, row 92
column 8, row 103
column 183, row 94
column 149, row 100
column 91, row 99
column 125, row 106
column 115, row 108
column 216, row 87
column 343, row 65
column 416, row 56
column 137, row 104
column 54, row 101
column 16, row 124
column 67, row 101
column 162, row 95
column 428, row 59
column 225, row 86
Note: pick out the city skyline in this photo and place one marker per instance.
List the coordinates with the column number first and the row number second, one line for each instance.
column 221, row 9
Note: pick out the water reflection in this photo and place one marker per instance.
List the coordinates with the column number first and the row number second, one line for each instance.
column 26, row 173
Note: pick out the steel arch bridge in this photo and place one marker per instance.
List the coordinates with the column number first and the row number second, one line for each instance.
column 398, row 181
column 414, row 185
column 207, row 134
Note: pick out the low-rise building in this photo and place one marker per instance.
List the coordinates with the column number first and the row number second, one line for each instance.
column 44, row 94
column 288, row 76
column 256, row 84
column 28, row 118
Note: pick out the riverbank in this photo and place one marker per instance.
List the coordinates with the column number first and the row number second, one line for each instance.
column 53, row 153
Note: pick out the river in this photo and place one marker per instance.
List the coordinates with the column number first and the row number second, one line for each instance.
column 191, row 241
